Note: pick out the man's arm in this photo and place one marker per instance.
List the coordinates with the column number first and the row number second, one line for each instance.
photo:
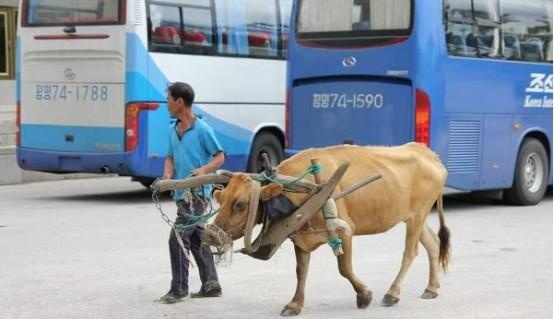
column 212, row 166
column 169, row 167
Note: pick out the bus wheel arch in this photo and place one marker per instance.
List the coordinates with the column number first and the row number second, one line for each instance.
column 531, row 172
column 269, row 140
column 541, row 136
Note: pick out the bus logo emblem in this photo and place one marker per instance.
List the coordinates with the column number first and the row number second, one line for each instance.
column 349, row 61
column 69, row 74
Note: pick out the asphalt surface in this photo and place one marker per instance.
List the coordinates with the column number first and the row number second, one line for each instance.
column 97, row 248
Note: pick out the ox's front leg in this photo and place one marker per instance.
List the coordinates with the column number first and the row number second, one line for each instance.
column 363, row 295
column 294, row 307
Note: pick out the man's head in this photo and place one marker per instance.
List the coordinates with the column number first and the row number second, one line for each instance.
column 179, row 96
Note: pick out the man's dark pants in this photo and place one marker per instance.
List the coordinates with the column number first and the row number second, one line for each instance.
column 191, row 238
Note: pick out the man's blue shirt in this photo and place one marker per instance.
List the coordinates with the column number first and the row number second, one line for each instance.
column 194, row 149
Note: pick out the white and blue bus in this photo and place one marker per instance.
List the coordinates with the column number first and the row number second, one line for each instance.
column 470, row 78
column 92, row 78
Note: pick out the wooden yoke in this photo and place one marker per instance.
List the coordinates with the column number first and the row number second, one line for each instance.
column 270, row 242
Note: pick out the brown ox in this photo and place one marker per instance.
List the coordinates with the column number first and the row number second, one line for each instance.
column 413, row 180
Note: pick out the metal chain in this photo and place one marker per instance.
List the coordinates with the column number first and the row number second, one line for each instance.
column 220, row 255
column 169, row 221
column 158, row 205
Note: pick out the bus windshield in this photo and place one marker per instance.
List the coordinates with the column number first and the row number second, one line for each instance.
column 75, row 12
column 353, row 18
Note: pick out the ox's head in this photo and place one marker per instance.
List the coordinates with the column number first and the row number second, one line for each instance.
column 239, row 209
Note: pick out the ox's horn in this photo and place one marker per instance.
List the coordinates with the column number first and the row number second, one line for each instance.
column 223, row 172
column 191, row 182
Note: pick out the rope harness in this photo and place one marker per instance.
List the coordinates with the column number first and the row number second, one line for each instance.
column 312, row 169
column 216, row 237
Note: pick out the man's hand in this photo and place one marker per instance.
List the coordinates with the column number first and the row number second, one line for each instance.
column 167, row 177
column 211, row 167
column 199, row 171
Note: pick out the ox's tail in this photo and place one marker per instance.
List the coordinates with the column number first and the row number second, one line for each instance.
column 444, row 236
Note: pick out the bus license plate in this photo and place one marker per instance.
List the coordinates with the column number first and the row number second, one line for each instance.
column 354, row 101
column 72, row 92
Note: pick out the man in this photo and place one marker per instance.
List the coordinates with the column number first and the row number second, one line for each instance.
column 193, row 149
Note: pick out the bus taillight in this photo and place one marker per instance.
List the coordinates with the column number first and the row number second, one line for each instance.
column 422, row 117
column 18, row 124
column 132, row 122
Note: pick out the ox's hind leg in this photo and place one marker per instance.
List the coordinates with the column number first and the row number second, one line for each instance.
column 363, row 295
column 294, row 307
column 413, row 232
column 431, row 243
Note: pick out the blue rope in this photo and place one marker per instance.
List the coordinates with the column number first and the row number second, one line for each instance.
column 193, row 220
column 312, row 169
column 335, row 243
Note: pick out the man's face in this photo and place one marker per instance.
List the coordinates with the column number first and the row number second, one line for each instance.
column 174, row 106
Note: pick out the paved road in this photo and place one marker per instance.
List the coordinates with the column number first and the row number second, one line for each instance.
column 97, row 248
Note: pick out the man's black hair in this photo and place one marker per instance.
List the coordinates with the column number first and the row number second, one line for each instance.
column 181, row 90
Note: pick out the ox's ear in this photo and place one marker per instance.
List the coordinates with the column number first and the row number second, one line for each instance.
column 217, row 195
column 270, row 191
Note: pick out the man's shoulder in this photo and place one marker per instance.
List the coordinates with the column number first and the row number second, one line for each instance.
column 201, row 124
column 172, row 125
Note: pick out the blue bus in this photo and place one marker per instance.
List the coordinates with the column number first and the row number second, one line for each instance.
column 92, row 78
column 472, row 79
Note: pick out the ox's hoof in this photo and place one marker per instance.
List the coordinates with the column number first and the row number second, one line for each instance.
column 364, row 299
column 429, row 294
column 289, row 311
column 389, row 300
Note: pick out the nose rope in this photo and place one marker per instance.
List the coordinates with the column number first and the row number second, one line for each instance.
column 219, row 242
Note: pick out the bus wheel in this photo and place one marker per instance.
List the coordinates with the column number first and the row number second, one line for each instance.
column 265, row 143
column 531, row 175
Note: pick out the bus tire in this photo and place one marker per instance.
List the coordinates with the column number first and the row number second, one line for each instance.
column 265, row 143
column 530, row 176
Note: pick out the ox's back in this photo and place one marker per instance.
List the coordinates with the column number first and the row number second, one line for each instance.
column 413, row 176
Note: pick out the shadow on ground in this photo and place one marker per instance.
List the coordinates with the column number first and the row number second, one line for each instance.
column 135, row 196
column 492, row 200
column 452, row 202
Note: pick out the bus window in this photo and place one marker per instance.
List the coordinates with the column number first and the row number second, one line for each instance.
column 198, row 26
column 355, row 18
column 459, row 26
column 62, row 12
column 165, row 23
column 487, row 28
column 231, row 29
column 247, row 28
column 548, row 51
column 527, row 30
column 356, row 15
column 285, row 10
column 186, row 27
column 261, row 25
column 473, row 30
column 3, row 44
